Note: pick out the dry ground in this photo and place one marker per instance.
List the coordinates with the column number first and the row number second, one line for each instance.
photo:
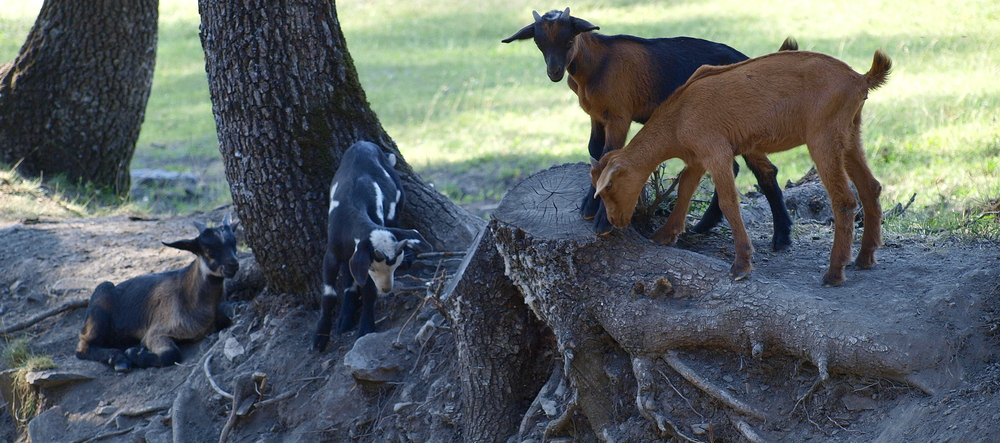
column 45, row 263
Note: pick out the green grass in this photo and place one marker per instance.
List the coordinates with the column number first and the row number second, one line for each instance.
column 452, row 95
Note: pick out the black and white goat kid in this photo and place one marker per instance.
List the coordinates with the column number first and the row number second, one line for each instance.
column 364, row 242
column 136, row 323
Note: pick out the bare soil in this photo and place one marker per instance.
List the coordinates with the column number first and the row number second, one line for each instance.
column 45, row 263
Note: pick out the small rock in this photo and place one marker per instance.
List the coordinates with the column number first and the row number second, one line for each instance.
column 399, row 406
column 374, row 359
column 105, row 410
column 858, row 403
column 50, row 378
column 233, row 348
column 728, row 378
column 699, row 428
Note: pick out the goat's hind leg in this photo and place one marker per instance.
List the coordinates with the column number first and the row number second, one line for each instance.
column 366, row 324
column 828, row 155
column 767, row 179
column 329, row 300
column 869, row 190
column 98, row 341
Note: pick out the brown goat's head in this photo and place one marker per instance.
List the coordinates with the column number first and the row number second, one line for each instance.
column 617, row 186
column 554, row 33
column 215, row 248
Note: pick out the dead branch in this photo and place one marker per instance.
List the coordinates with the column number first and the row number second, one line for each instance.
column 106, row 435
column 446, row 254
column 748, row 431
column 710, row 388
column 211, row 381
column 65, row 306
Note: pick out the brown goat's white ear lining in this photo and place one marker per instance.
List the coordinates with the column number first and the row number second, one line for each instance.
column 604, row 181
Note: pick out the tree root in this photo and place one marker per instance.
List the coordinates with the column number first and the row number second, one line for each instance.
column 65, row 306
column 710, row 388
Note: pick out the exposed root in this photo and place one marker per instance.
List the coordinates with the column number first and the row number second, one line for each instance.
column 711, row 389
column 647, row 403
column 65, row 306
column 748, row 431
column 824, row 374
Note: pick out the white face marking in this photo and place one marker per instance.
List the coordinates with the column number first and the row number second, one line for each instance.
column 328, row 291
column 383, row 241
column 392, row 160
column 382, row 272
column 378, row 204
column 333, row 203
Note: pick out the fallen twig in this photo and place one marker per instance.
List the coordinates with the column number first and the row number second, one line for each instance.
column 211, row 381
column 445, row 254
column 106, row 435
column 436, row 294
column 65, row 306
column 748, row 431
column 709, row 388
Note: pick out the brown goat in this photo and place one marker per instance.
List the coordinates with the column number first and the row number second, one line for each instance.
column 135, row 323
column 764, row 105
column 623, row 78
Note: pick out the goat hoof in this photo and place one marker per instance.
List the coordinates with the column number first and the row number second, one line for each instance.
column 602, row 226
column 739, row 273
column 864, row 262
column 589, row 207
column 319, row 343
column 833, row 278
column 781, row 245
column 664, row 238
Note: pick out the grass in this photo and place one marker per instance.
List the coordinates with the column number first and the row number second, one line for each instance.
column 17, row 355
column 455, row 98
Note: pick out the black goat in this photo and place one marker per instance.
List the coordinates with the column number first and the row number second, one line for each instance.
column 623, row 78
column 364, row 242
column 135, row 323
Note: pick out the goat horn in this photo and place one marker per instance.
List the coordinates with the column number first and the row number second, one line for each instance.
column 537, row 17
column 201, row 226
column 226, row 221
column 565, row 13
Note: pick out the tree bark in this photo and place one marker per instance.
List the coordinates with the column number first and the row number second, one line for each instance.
column 504, row 355
column 73, row 100
column 620, row 300
column 287, row 104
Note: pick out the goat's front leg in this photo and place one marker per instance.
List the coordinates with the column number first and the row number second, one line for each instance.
column 687, row 183
column 329, row 300
column 590, row 204
column 725, row 185
column 366, row 324
column 157, row 350
column 616, row 131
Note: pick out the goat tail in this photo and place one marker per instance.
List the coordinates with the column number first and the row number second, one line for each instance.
column 879, row 73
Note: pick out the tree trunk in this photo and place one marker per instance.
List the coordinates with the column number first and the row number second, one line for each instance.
column 74, row 98
column 287, row 104
column 619, row 308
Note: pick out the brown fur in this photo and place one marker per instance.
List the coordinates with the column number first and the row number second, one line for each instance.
column 760, row 106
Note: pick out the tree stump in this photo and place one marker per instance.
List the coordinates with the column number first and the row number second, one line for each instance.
column 620, row 306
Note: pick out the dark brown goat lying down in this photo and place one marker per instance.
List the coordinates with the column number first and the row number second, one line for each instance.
column 136, row 323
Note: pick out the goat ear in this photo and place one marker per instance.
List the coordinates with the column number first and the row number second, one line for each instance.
column 604, row 181
column 580, row 25
column 594, row 163
column 226, row 220
column 186, row 245
column 359, row 264
column 524, row 34
column 201, row 226
column 413, row 239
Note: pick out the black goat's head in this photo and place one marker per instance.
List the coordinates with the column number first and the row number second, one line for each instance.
column 554, row 33
column 215, row 248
